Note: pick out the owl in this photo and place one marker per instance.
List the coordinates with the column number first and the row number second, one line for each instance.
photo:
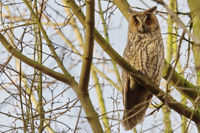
column 145, row 52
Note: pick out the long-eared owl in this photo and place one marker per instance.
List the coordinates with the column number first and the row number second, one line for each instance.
column 145, row 52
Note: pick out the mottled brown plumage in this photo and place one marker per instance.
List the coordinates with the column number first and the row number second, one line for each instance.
column 144, row 51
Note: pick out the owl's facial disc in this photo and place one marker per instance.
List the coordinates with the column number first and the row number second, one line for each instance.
column 143, row 23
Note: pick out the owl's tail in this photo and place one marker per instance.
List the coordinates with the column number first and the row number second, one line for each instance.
column 136, row 103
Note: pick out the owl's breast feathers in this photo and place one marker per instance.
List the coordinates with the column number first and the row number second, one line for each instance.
column 146, row 53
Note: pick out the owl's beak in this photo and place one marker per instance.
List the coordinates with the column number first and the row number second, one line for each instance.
column 141, row 29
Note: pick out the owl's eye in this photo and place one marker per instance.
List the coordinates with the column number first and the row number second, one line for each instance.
column 136, row 22
column 148, row 19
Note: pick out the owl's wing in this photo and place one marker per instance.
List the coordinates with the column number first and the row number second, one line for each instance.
column 125, row 85
column 136, row 100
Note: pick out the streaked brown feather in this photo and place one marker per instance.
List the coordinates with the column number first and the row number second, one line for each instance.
column 144, row 51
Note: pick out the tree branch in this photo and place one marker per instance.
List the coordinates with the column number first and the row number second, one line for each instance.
column 177, row 20
column 182, row 109
column 85, row 101
column 177, row 80
column 16, row 52
column 88, row 47
column 178, row 107
column 86, row 66
column 50, row 45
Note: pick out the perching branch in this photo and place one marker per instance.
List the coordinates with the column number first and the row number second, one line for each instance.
column 181, row 109
column 177, row 80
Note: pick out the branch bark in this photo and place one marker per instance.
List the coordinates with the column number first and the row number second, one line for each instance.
column 86, row 66
column 88, row 47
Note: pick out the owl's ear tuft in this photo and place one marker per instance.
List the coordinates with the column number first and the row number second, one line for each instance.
column 152, row 10
column 131, row 11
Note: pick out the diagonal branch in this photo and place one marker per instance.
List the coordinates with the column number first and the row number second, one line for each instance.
column 15, row 52
column 177, row 80
column 84, row 99
column 50, row 45
column 180, row 83
column 178, row 107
